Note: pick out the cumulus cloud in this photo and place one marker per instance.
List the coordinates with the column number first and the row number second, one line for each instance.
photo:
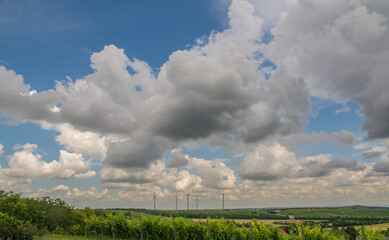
column 20, row 102
column 213, row 89
column 177, row 159
column 269, row 162
column 382, row 167
column 88, row 143
column 88, row 174
column 215, row 92
column 185, row 180
column 8, row 183
column 61, row 188
column 1, row 150
column 27, row 163
column 352, row 67
column 215, row 174
column 153, row 174
column 322, row 165
column 371, row 154
column 92, row 193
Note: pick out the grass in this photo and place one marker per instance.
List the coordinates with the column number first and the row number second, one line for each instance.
column 62, row 237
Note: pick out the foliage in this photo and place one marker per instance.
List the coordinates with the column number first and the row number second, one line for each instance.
column 371, row 235
column 12, row 228
column 21, row 218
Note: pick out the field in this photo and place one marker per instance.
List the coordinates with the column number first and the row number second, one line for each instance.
column 365, row 214
column 337, row 212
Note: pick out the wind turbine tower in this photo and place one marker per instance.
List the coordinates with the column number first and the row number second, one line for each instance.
column 155, row 200
column 223, row 201
column 187, row 201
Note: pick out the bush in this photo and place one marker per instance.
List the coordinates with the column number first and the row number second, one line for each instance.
column 12, row 228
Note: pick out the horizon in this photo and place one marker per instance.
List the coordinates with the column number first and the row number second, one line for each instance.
column 268, row 102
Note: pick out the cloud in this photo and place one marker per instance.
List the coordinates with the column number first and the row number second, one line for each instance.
column 343, row 110
column 349, row 164
column 371, row 154
column 177, row 159
column 1, row 150
column 382, row 167
column 88, row 143
column 86, row 196
column 211, row 90
column 153, row 174
column 61, row 188
column 139, row 151
column 315, row 166
column 269, row 162
column 215, row 174
column 8, row 183
column 88, row 174
column 351, row 68
column 185, row 180
column 343, row 136
column 19, row 102
column 27, row 163
column 322, row 165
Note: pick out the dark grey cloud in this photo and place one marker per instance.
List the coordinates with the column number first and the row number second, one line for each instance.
column 349, row 164
column 382, row 167
column 321, row 166
column 133, row 153
column 375, row 100
column 316, row 169
column 371, row 154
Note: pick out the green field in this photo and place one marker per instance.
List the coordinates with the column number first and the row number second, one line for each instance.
column 214, row 214
column 280, row 214
column 337, row 212
column 62, row 237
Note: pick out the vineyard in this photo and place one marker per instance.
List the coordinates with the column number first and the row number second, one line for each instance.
column 24, row 218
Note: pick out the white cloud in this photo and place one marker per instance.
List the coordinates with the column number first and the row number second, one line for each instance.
column 61, row 188
column 185, row 180
column 215, row 174
column 352, row 67
column 88, row 174
column 269, row 162
column 91, row 194
column 27, row 163
column 153, row 174
column 208, row 91
column 345, row 109
column 88, row 143
column 1, row 150
column 8, row 183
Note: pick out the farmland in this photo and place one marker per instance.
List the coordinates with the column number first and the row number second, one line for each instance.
column 320, row 213
column 46, row 219
column 343, row 213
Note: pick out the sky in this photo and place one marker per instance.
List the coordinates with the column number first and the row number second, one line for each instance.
column 274, row 103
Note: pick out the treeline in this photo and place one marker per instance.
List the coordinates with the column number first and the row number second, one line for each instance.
column 347, row 221
column 226, row 214
column 21, row 218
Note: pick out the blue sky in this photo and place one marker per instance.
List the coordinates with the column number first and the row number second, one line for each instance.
column 104, row 103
